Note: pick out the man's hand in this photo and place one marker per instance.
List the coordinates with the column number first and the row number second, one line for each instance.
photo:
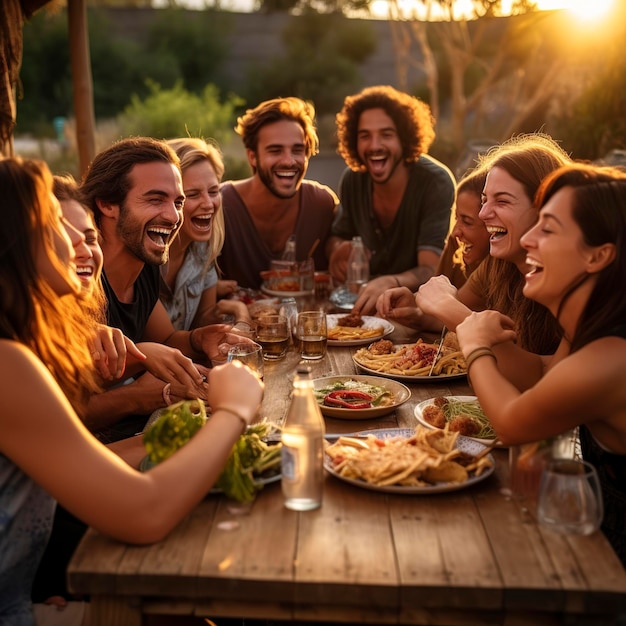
column 171, row 366
column 369, row 294
column 109, row 349
column 215, row 340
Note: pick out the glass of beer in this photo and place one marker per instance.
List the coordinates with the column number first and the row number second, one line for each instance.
column 311, row 334
column 250, row 354
column 272, row 333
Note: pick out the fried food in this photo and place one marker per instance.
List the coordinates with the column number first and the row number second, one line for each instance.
column 464, row 425
column 434, row 416
column 352, row 320
column 382, row 346
column 427, row 457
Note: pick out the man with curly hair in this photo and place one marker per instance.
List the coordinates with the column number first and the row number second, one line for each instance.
column 263, row 211
column 395, row 196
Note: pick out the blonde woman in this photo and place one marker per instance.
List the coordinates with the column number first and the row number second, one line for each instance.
column 189, row 278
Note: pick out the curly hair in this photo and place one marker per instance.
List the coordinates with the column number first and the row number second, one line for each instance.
column 290, row 109
column 412, row 117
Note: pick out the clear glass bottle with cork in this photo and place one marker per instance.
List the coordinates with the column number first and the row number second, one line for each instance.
column 302, row 456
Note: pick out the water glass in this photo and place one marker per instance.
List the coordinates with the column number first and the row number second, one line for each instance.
column 272, row 333
column 312, row 335
column 250, row 354
column 570, row 499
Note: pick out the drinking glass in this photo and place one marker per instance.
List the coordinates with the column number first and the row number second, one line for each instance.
column 250, row 354
column 312, row 335
column 570, row 499
column 526, row 464
column 272, row 333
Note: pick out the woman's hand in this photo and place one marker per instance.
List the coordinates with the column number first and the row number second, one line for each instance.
column 433, row 295
column 399, row 304
column 485, row 329
column 226, row 383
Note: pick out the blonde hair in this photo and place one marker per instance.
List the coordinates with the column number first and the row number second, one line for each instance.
column 193, row 150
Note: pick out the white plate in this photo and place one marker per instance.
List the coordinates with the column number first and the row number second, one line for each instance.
column 465, row 444
column 400, row 393
column 368, row 322
column 286, row 294
column 409, row 379
column 420, row 418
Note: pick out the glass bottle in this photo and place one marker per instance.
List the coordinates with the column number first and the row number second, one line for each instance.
column 302, row 455
column 358, row 270
column 289, row 253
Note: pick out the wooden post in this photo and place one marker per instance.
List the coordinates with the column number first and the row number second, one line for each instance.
column 82, row 83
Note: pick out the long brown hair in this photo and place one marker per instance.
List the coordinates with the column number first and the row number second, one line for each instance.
column 599, row 209
column 528, row 159
column 55, row 328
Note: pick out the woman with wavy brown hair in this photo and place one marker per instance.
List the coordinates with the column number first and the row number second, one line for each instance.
column 46, row 375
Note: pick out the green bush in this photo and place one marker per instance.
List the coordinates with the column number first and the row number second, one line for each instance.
column 176, row 112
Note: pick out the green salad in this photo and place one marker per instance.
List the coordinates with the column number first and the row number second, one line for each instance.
column 250, row 459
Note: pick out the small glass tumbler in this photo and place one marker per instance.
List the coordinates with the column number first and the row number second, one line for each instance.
column 570, row 499
column 250, row 354
column 312, row 335
column 272, row 333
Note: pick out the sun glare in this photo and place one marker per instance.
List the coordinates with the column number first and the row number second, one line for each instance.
column 584, row 10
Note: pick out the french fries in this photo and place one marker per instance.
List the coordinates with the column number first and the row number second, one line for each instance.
column 349, row 333
column 426, row 458
column 413, row 360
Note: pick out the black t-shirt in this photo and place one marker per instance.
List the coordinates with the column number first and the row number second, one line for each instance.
column 132, row 318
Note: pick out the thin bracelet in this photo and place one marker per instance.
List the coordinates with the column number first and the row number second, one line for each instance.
column 238, row 415
column 167, row 394
column 476, row 354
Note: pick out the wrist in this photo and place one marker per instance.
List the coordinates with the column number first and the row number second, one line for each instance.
column 229, row 411
column 192, row 342
column 396, row 280
column 477, row 353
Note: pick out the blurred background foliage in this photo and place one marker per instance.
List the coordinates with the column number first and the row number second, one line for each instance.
column 488, row 77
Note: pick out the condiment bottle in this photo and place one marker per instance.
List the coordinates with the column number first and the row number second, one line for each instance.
column 358, row 270
column 302, row 455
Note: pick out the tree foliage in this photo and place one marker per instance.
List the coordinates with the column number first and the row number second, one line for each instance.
column 321, row 61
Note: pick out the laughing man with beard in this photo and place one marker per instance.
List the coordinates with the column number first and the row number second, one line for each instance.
column 261, row 212
column 395, row 196
column 135, row 191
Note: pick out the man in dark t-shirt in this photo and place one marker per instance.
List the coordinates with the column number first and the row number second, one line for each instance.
column 393, row 195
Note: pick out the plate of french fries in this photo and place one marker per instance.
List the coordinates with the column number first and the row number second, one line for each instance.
column 356, row 330
column 411, row 362
column 428, row 461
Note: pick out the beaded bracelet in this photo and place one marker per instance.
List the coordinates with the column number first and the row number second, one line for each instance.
column 238, row 415
column 476, row 354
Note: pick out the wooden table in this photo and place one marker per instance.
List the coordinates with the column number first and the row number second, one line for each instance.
column 462, row 558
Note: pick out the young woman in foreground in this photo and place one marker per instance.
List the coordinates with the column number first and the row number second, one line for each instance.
column 577, row 259
column 46, row 453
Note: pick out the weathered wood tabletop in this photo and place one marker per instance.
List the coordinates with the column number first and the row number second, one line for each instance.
column 467, row 557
